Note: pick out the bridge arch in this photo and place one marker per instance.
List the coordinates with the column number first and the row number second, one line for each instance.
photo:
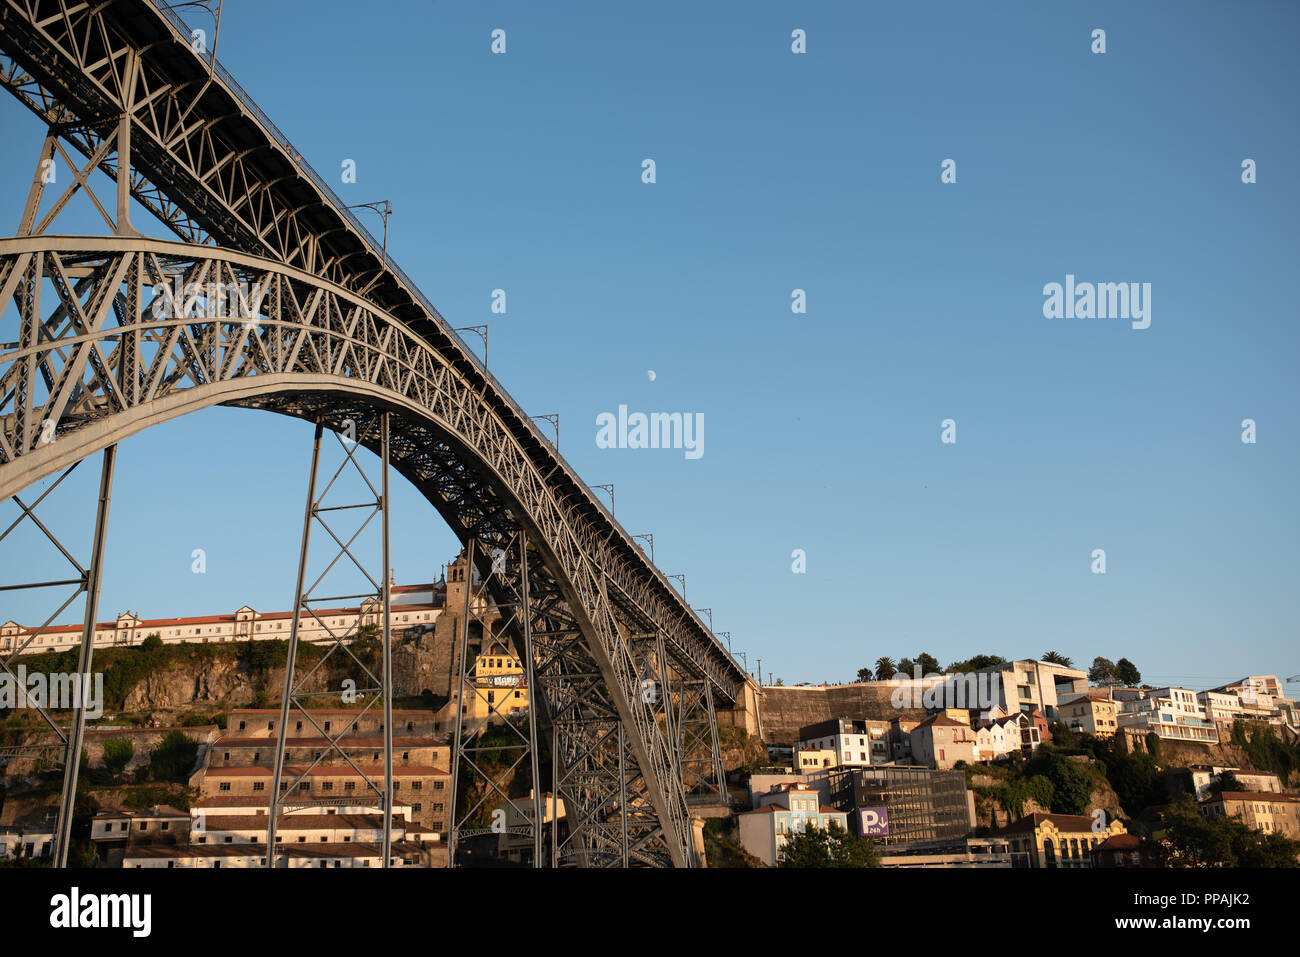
column 97, row 362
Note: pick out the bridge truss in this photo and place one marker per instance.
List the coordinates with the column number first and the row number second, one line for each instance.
column 311, row 318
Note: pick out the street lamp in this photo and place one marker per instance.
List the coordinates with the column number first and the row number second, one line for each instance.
column 651, row 539
column 554, row 419
column 709, row 612
column 727, row 635
column 385, row 209
column 482, row 333
column 682, row 579
column 610, row 490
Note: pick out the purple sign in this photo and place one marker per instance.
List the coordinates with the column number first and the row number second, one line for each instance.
column 874, row 820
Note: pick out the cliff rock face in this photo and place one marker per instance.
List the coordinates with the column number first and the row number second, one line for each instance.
column 424, row 662
column 220, row 683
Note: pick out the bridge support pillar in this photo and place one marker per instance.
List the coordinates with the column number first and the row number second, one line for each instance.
column 72, row 751
column 301, row 700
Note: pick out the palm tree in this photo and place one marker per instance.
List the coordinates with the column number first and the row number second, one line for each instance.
column 884, row 668
column 1056, row 658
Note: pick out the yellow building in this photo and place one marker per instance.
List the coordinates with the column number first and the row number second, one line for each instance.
column 1091, row 714
column 1262, row 810
column 814, row 759
column 500, row 686
column 1059, row 840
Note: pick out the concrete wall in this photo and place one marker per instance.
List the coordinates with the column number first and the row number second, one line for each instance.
column 783, row 711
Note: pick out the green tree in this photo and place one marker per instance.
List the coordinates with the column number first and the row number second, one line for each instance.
column 928, row 662
column 118, row 752
column 975, row 663
column 1227, row 781
column 906, row 665
column 832, row 846
column 884, row 668
column 1126, row 673
column 864, row 674
column 1191, row 840
column 1071, row 785
column 173, row 758
column 152, row 643
column 1102, row 671
column 1056, row 658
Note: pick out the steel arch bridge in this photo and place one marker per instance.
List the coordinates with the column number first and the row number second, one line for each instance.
column 619, row 669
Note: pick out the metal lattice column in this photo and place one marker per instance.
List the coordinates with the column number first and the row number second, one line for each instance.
column 297, row 697
column 475, row 763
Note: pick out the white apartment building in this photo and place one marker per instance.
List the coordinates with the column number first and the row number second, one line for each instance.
column 1172, row 713
column 1029, row 685
column 852, row 743
column 1220, row 705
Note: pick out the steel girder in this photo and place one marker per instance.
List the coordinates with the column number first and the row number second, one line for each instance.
column 214, row 168
column 297, row 696
column 318, row 352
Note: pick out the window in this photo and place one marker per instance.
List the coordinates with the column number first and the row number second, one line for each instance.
column 417, row 785
column 224, row 786
column 349, row 785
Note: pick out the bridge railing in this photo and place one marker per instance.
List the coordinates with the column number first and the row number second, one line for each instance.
column 185, row 35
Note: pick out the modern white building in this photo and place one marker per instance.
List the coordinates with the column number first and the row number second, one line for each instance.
column 1028, row 685
column 852, row 742
column 1172, row 713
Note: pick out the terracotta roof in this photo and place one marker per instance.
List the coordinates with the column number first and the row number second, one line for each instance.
column 330, row 771
column 144, row 623
column 347, row 850
column 942, row 721
column 360, row 849
column 1118, row 842
column 232, row 742
column 164, row 810
column 1070, row 823
column 196, row 850
column 290, row 822
column 247, row 800
column 1254, row 796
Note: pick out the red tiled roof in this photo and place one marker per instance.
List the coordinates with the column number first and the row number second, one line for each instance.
column 1263, row 796
column 330, row 770
column 230, row 742
column 1118, row 842
column 260, row 801
column 1070, row 823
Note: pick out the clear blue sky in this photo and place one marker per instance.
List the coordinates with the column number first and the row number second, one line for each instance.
column 822, row 172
